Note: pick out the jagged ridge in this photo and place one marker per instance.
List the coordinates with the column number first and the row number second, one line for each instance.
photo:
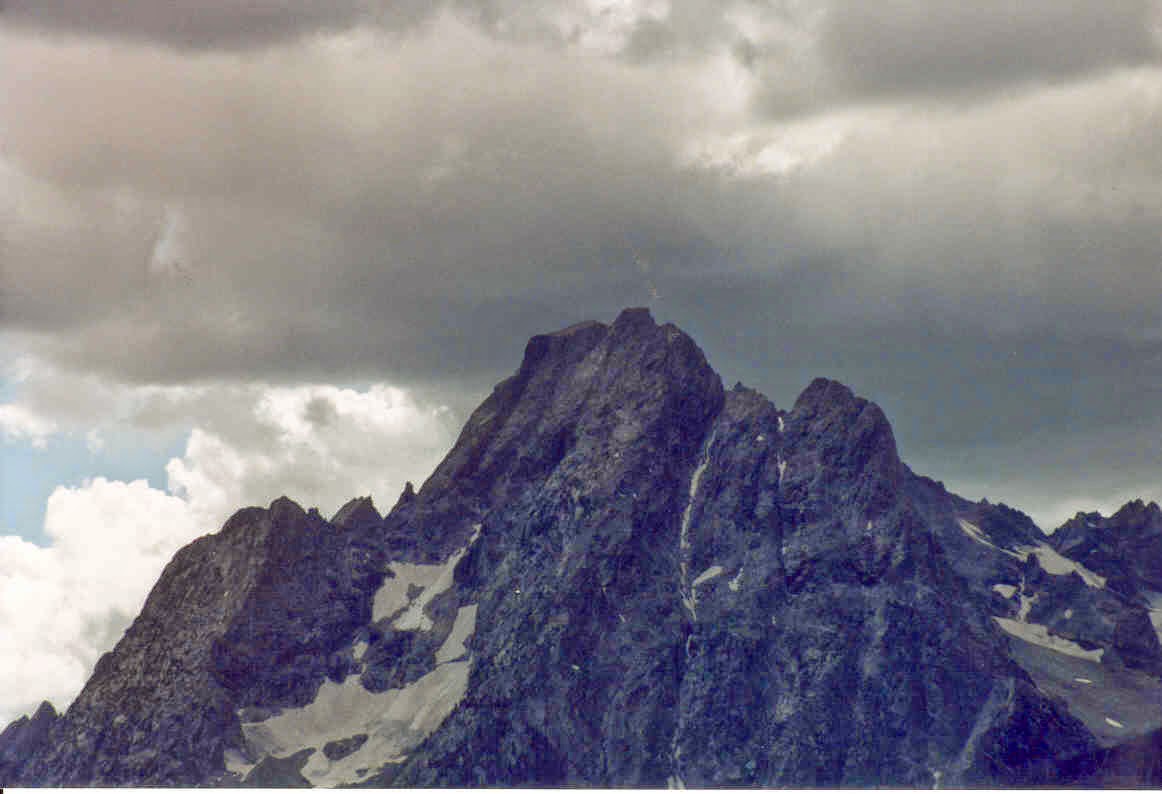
column 623, row 574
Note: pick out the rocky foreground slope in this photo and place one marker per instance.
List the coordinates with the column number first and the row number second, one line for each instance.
column 625, row 575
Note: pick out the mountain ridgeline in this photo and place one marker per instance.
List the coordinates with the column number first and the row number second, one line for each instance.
column 624, row 574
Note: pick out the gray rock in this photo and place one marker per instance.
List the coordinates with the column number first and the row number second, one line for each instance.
column 672, row 584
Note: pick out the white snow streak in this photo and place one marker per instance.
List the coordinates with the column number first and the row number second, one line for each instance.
column 974, row 532
column 695, row 481
column 1050, row 560
column 1039, row 635
column 1026, row 605
column 1113, row 722
column 1006, row 590
column 689, row 590
column 708, row 574
column 689, row 596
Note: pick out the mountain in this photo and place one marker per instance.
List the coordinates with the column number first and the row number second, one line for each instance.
column 624, row 574
column 1126, row 547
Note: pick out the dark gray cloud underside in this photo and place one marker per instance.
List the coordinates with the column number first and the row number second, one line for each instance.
column 222, row 24
column 948, row 47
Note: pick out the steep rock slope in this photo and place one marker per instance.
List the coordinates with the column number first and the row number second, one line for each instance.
column 623, row 574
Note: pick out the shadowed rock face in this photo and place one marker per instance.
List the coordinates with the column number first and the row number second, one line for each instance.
column 25, row 738
column 624, row 575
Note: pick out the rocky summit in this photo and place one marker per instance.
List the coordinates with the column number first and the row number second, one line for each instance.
column 624, row 574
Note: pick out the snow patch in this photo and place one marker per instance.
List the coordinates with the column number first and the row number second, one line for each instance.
column 1113, row 722
column 462, row 629
column 395, row 721
column 708, row 574
column 1050, row 560
column 392, row 597
column 782, row 465
column 1037, row 634
column 1006, row 590
column 1068, row 614
column 781, row 425
column 359, row 650
column 735, row 583
column 1083, row 680
column 1053, row 563
column 1026, row 605
column 761, row 438
column 236, row 763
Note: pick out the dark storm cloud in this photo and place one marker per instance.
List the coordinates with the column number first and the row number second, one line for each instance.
column 199, row 25
column 312, row 213
column 946, row 46
column 414, row 207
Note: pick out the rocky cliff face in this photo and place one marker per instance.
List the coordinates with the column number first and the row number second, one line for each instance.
column 623, row 574
column 1126, row 547
column 249, row 617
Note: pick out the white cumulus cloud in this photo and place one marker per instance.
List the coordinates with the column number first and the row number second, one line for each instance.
column 64, row 605
column 318, row 444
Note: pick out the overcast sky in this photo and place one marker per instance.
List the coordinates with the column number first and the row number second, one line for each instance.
column 249, row 249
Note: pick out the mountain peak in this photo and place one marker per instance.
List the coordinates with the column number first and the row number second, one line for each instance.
column 831, row 414
column 358, row 514
column 286, row 508
column 634, row 317
column 623, row 575
column 824, row 392
column 1137, row 514
column 27, row 736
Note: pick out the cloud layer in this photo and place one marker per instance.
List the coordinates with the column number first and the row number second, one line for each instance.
column 349, row 200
